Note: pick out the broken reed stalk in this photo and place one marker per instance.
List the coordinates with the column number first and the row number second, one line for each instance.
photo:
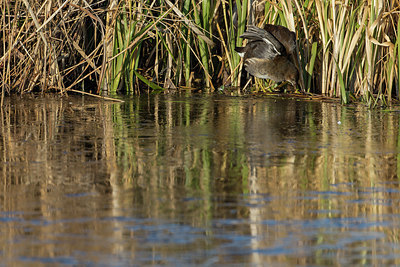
column 351, row 51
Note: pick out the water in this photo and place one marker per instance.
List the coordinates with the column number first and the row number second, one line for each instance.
column 198, row 180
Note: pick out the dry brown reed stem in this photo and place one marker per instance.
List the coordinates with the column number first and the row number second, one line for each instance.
column 96, row 96
column 44, row 45
column 190, row 23
column 54, row 71
column 103, row 43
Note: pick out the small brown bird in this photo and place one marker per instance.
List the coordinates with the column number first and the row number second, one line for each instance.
column 270, row 53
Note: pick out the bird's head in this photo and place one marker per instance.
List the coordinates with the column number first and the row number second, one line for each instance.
column 293, row 77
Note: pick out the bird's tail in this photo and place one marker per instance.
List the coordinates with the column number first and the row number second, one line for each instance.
column 254, row 33
column 240, row 50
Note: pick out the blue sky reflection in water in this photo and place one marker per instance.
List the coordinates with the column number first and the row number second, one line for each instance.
column 198, row 180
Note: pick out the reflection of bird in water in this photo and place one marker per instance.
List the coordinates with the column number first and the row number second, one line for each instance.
column 270, row 53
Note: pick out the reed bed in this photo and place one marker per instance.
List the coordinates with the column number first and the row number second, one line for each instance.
column 347, row 49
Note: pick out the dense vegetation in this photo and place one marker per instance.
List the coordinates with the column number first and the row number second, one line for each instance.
column 348, row 49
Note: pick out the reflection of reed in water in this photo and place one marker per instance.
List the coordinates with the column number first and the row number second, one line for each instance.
column 195, row 160
column 221, row 149
column 54, row 141
column 212, row 144
column 56, row 171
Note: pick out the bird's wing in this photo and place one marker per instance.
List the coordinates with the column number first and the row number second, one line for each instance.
column 263, row 44
column 286, row 37
column 260, row 49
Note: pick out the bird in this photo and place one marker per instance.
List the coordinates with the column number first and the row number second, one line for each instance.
column 270, row 53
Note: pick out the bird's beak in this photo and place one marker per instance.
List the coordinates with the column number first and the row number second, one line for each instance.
column 294, row 84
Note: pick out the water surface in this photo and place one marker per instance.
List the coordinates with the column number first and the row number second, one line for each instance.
column 198, row 179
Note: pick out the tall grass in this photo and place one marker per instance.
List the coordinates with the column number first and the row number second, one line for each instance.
column 347, row 49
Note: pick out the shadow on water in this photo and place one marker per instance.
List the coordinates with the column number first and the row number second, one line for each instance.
column 198, row 179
